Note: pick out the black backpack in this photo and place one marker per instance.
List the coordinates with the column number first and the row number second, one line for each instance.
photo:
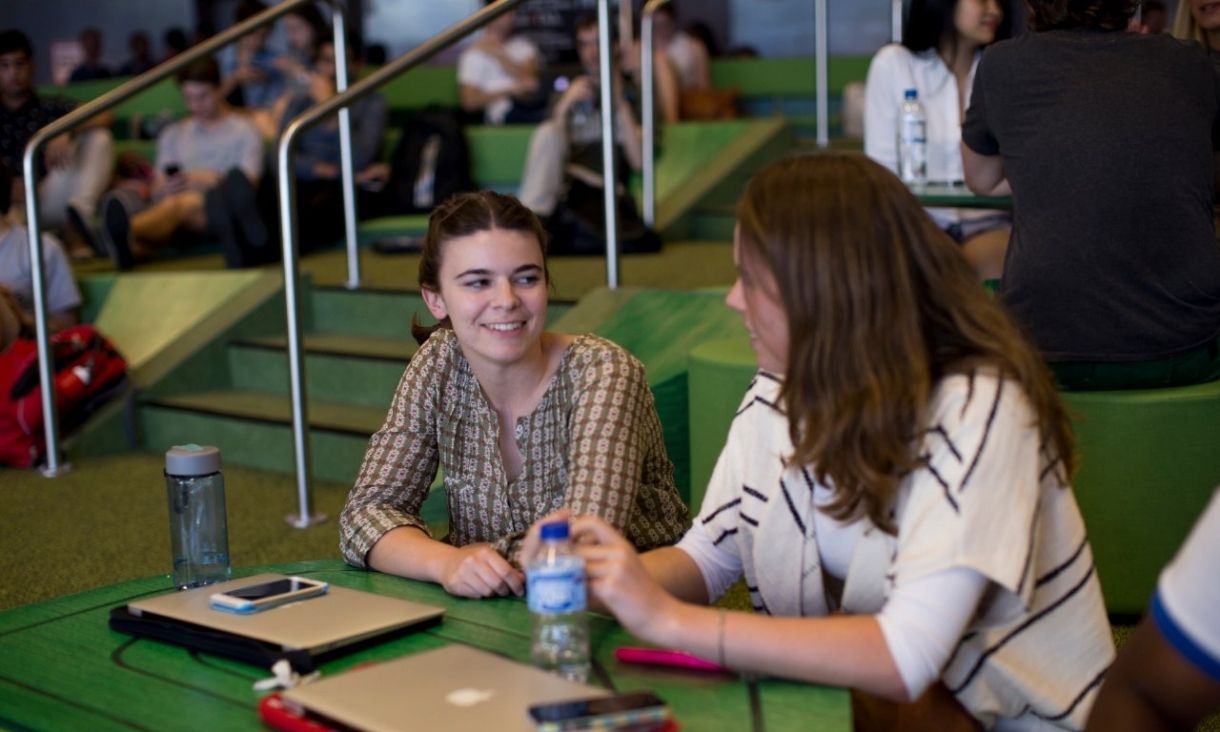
column 430, row 162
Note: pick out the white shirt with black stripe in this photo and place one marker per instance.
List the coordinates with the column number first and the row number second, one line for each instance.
column 986, row 499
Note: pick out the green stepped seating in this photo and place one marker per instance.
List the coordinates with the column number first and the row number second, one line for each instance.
column 1148, row 461
column 720, row 372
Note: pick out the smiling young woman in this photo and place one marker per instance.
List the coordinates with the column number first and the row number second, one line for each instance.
column 523, row 421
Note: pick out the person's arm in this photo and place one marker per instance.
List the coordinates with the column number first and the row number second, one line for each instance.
column 1152, row 687
column 669, row 89
column 984, row 173
column 843, row 650
column 882, row 98
column 632, row 134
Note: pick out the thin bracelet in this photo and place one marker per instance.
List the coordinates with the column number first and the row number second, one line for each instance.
column 720, row 636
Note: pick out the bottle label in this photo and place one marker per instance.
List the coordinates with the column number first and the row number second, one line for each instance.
column 914, row 131
column 556, row 589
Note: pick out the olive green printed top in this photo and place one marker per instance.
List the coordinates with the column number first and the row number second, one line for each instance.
column 593, row 444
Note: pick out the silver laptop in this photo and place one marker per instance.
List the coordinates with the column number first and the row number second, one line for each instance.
column 338, row 618
column 456, row 688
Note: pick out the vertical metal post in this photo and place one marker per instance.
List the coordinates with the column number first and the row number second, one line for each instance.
column 305, row 515
column 346, row 169
column 607, row 109
column 648, row 111
column 822, row 91
column 896, row 21
column 46, row 369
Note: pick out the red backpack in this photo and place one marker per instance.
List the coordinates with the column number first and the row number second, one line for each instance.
column 88, row 372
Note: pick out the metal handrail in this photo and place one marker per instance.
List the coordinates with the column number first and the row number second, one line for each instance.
column 648, row 92
column 896, row 21
column 287, row 183
column 821, row 54
column 74, row 119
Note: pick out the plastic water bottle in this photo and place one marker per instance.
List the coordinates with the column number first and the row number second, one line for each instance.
column 555, row 590
column 912, row 140
column 198, row 526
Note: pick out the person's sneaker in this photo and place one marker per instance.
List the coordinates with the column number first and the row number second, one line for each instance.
column 82, row 243
column 116, row 233
column 220, row 225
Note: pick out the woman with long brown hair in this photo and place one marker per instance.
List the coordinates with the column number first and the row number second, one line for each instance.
column 521, row 419
column 894, row 485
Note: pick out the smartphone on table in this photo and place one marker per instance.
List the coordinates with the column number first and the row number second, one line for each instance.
column 264, row 595
column 633, row 711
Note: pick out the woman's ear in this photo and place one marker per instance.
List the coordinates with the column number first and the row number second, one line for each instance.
column 435, row 303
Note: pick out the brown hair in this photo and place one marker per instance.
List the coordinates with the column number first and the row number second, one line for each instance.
column 463, row 214
column 880, row 306
column 1097, row 14
column 204, row 71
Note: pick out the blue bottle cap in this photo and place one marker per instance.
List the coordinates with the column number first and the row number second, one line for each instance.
column 910, row 94
column 555, row 531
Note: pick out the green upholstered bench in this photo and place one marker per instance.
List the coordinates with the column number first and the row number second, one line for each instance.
column 1147, row 463
column 719, row 373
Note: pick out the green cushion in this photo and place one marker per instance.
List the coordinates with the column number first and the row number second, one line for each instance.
column 720, row 372
column 1148, row 460
column 422, row 86
column 794, row 76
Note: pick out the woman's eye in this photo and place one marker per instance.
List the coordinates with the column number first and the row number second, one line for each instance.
column 527, row 280
column 476, row 284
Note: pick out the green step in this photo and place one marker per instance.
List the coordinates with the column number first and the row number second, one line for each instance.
column 338, row 367
column 254, row 429
column 378, row 313
column 713, row 224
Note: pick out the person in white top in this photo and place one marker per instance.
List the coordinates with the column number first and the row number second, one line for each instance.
column 687, row 54
column 894, row 486
column 1168, row 674
column 498, row 75
column 941, row 45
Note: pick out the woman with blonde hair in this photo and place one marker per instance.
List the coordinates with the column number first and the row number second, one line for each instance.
column 1199, row 20
column 894, row 488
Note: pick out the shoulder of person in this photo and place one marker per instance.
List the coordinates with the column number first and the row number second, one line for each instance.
column 893, row 54
column 977, row 397
column 591, row 350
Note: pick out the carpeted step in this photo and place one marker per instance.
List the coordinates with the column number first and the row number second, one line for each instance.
column 254, row 429
column 339, row 367
column 713, row 223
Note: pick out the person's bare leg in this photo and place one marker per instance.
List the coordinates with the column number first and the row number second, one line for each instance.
column 154, row 227
column 985, row 252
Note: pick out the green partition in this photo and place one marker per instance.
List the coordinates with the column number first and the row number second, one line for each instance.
column 793, row 76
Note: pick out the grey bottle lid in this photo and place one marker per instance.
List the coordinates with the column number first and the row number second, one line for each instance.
column 192, row 459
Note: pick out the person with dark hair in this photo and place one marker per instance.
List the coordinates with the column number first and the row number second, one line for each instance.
column 690, row 58
column 207, row 168
column 894, row 488
column 91, row 67
column 942, row 42
column 498, row 75
column 304, row 27
column 1113, row 268
column 1167, row 676
column 174, row 42
column 249, row 65
column 17, row 275
column 521, row 420
column 74, row 167
column 141, row 59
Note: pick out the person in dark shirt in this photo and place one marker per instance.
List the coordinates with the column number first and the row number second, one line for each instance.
column 141, row 55
column 92, row 67
column 1107, row 140
column 75, row 167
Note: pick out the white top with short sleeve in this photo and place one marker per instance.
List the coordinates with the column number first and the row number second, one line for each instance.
column 985, row 498
column 484, row 72
column 1187, row 603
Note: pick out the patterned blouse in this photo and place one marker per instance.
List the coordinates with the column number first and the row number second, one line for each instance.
column 593, row 443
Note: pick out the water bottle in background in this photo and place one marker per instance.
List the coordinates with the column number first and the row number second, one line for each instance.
column 555, row 590
column 912, row 140
column 198, row 526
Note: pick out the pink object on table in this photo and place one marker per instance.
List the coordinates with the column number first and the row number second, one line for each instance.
column 665, row 657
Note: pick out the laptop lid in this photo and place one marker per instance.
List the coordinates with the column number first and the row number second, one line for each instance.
column 319, row 624
column 455, row 688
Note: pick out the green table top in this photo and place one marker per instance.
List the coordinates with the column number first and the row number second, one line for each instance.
column 957, row 195
column 61, row 667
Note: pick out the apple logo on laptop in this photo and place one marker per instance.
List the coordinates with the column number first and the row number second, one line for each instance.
column 468, row 697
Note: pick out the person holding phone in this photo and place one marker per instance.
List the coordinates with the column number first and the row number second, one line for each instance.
column 894, row 489
column 522, row 420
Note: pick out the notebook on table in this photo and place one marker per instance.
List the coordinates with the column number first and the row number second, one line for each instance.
column 456, row 688
column 302, row 631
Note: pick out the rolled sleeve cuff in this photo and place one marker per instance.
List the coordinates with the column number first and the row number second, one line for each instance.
column 368, row 526
column 1178, row 637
